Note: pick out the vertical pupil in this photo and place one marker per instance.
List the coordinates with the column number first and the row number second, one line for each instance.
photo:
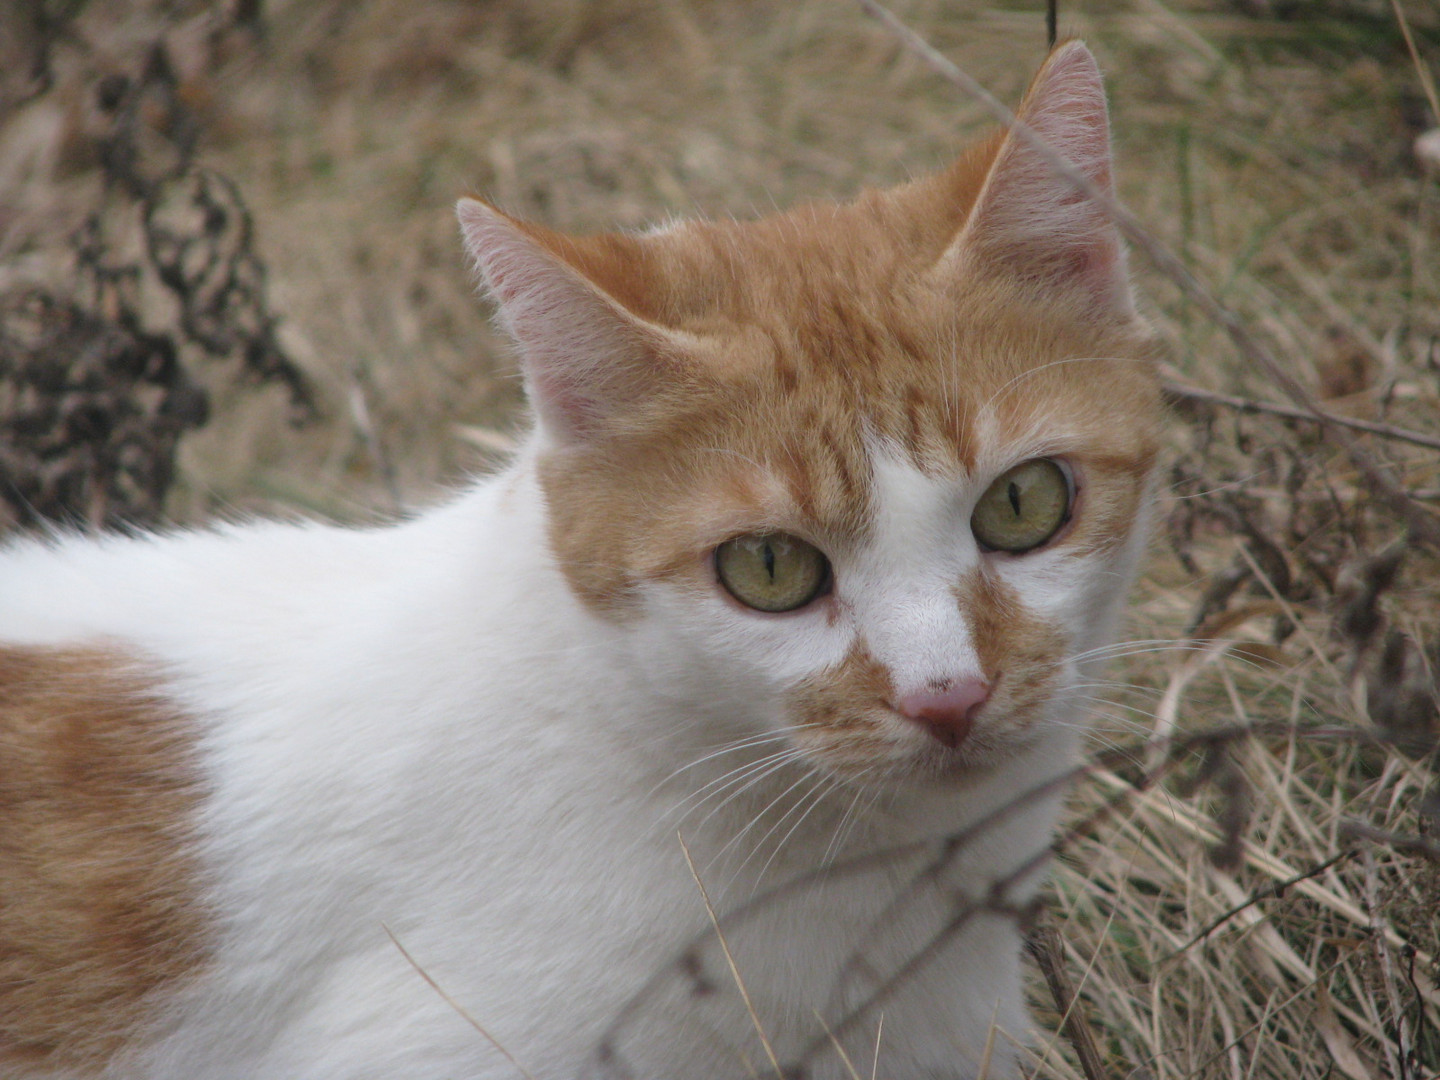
column 770, row 562
column 1015, row 497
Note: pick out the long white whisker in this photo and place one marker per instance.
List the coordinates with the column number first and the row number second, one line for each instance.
column 1029, row 372
column 850, row 819
column 744, row 774
column 755, row 777
column 730, row 748
column 823, row 787
column 755, row 820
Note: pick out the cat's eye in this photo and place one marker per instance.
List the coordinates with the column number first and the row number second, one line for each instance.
column 772, row 571
column 1024, row 508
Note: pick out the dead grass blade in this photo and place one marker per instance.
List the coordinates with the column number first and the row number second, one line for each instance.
column 455, row 1004
column 1184, row 817
column 1422, row 71
column 1337, row 1041
column 730, row 960
column 1273, row 891
column 840, row 1048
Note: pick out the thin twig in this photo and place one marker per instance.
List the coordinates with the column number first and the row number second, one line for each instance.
column 455, row 1004
column 729, row 959
column 1273, row 891
column 944, row 848
column 1405, row 845
column 1422, row 523
column 1195, row 824
column 1290, row 412
column 917, row 960
column 1203, row 1067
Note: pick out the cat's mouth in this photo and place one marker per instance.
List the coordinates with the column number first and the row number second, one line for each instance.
column 943, row 731
column 981, row 747
column 886, row 746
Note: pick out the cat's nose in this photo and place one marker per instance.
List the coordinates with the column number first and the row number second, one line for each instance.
column 947, row 713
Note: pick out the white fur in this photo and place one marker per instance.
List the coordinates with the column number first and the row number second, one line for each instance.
column 420, row 728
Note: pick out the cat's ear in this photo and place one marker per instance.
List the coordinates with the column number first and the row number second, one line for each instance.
column 585, row 356
column 1030, row 220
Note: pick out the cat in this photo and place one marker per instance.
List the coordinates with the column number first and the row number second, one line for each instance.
column 778, row 618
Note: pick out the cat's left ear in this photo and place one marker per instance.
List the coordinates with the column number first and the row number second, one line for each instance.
column 1029, row 220
column 586, row 357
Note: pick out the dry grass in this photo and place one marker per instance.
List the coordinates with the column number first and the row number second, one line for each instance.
column 1272, row 153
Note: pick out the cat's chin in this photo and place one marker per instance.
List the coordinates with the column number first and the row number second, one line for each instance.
column 972, row 759
column 933, row 764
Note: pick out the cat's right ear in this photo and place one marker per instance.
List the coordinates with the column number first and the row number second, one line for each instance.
column 1033, row 222
column 585, row 356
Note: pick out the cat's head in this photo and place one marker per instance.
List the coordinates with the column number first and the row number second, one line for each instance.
column 871, row 473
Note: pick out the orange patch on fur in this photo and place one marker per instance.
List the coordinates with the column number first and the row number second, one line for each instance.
column 99, row 906
column 837, row 712
column 1018, row 653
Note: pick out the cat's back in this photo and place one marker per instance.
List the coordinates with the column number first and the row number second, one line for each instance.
column 70, row 587
column 266, row 585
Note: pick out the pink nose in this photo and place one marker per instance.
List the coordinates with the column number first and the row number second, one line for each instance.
column 947, row 713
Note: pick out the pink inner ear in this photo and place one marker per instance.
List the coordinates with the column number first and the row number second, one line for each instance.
column 563, row 407
column 584, row 356
column 1033, row 221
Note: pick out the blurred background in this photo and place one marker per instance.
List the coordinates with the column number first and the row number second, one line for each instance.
column 231, row 282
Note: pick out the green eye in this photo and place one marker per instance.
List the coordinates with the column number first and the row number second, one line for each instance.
column 771, row 571
column 1023, row 508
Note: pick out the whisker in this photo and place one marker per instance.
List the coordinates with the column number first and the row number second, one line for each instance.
column 755, row 820
column 824, row 786
column 743, row 773
column 850, row 818
column 776, row 763
column 1004, row 389
column 748, row 743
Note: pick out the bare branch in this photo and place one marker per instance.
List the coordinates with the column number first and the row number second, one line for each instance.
column 1406, row 845
column 942, row 850
column 1049, row 953
column 1273, row 891
column 1290, row 412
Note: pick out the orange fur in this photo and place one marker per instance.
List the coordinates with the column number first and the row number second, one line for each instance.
column 1011, row 641
column 693, row 385
column 99, row 910
column 836, row 714
column 819, row 327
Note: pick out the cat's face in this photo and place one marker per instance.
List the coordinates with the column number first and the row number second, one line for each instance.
column 872, row 475
column 863, row 485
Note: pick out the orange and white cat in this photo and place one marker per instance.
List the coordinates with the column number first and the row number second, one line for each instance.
column 821, row 523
